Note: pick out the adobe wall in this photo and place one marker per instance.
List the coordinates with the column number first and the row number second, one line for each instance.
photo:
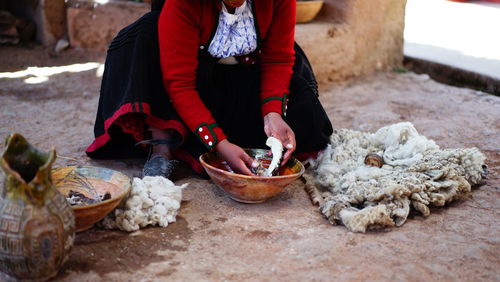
column 93, row 25
column 354, row 37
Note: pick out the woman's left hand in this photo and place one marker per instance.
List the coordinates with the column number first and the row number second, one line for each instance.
column 275, row 126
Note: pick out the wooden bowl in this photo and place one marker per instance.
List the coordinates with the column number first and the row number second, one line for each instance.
column 250, row 189
column 92, row 182
column 307, row 10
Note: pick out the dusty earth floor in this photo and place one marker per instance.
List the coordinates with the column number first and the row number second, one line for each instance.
column 285, row 238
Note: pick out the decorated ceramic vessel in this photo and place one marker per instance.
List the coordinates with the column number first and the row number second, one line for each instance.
column 37, row 225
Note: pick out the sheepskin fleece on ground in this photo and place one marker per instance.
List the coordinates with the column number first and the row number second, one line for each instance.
column 417, row 174
column 154, row 200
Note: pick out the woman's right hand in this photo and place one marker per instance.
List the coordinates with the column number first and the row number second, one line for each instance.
column 236, row 157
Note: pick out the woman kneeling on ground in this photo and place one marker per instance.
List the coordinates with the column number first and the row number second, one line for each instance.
column 193, row 76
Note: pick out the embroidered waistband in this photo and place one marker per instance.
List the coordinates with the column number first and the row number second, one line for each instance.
column 248, row 59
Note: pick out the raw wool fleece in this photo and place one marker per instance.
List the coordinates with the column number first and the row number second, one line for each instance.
column 416, row 174
column 154, row 200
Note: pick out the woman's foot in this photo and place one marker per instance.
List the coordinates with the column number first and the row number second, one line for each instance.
column 160, row 162
column 159, row 166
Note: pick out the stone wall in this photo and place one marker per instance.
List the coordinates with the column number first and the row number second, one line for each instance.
column 48, row 15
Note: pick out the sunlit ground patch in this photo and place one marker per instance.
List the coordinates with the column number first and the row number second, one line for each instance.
column 36, row 75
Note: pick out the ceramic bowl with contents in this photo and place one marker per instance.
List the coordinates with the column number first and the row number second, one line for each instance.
column 92, row 192
column 250, row 189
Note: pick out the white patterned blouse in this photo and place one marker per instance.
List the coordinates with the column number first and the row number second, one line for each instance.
column 235, row 35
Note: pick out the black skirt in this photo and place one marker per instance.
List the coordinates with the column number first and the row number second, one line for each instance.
column 132, row 97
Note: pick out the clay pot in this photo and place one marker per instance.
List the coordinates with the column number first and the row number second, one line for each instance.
column 37, row 225
column 307, row 10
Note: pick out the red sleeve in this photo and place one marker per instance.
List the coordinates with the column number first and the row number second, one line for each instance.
column 277, row 58
column 179, row 40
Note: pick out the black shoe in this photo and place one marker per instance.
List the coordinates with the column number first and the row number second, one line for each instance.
column 159, row 166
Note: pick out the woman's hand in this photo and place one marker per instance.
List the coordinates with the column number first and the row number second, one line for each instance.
column 275, row 126
column 236, row 157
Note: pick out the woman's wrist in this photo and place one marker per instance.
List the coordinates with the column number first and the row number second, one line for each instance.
column 220, row 144
column 271, row 115
column 269, row 119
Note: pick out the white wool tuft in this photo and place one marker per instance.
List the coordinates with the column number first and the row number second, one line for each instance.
column 416, row 174
column 153, row 200
column 402, row 144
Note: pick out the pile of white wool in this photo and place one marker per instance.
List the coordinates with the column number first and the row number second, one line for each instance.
column 416, row 175
column 154, row 200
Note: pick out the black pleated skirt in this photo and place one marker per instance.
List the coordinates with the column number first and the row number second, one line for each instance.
column 132, row 97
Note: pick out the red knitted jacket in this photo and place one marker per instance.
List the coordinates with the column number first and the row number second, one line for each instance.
column 186, row 25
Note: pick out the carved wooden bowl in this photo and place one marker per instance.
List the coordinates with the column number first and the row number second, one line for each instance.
column 250, row 189
column 92, row 182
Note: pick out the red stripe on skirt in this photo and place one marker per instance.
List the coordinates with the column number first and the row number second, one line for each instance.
column 150, row 120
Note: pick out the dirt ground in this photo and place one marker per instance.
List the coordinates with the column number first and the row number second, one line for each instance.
column 285, row 238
